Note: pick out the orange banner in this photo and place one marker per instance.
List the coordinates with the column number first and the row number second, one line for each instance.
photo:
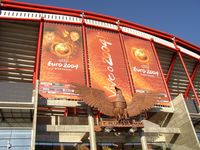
column 61, row 60
column 144, row 66
column 106, row 63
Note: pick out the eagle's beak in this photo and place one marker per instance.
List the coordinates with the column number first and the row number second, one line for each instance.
column 116, row 88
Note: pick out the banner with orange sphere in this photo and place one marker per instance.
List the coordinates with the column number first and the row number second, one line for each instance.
column 144, row 67
column 61, row 60
column 106, row 63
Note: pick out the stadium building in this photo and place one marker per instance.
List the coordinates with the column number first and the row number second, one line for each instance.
column 43, row 49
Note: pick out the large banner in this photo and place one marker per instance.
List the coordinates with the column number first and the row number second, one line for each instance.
column 106, row 63
column 61, row 60
column 144, row 67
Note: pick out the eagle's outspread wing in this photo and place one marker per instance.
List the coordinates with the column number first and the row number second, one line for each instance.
column 141, row 102
column 95, row 98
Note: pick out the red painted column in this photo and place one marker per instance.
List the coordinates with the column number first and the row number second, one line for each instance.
column 126, row 60
column 160, row 68
column 37, row 57
column 186, row 71
column 65, row 112
column 192, row 78
column 85, row 51
column 188, row 76
column 92, row 135
column 173, row 61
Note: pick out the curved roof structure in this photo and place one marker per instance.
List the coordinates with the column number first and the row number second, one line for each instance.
column 171, row 50
column 90, row 18
column 45, row 49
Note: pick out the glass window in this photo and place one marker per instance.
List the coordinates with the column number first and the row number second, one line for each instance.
column 18, row 139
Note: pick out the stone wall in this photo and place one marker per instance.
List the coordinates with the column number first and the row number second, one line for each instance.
column 187, row 140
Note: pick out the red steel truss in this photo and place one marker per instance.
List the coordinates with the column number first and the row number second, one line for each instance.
column 160, row 68
column 173, row 61
column 186, row 71
column 87, row 15
column 126, row 59
column 192, row 78
column 109, row 19
column 85, row 52
column 37, row 58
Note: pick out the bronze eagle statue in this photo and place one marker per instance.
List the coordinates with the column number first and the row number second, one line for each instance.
column 118, row 108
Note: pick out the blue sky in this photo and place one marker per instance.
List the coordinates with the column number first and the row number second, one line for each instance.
column 177, row 17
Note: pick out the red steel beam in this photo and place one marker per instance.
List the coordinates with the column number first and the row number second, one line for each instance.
column 39, row 9
column 58, row 10
column 160, row 68
column 187, row 73
column 63, row 22
column 75, row 111
column 185, row 43
column 19, row 19
column 188, row 76
column 66, row 112
column 192, row 78
column 173, row 61
column 51, row 108
column 126, row 61
column 37, row 20
column 89, row 15
column 37, row 58
column 38, row 6
column 85, row 50
column 10, row 68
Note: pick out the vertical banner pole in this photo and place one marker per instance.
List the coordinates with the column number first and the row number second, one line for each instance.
column 186, row 71
column 90, row 115
column 126, row 59
column 37, row 57
column 160, row 68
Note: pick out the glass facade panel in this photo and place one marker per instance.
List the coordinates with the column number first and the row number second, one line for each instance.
column 16, row 139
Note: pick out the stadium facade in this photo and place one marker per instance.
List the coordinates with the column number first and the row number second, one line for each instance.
column 43, row 49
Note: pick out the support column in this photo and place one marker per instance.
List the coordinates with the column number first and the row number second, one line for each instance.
column 192, row 78
column 34, row 124
column 160, row 68
column 164, row 146
column 143, row 140
column 62, row 147
column 173, row 61
column 188, row 76
column 37, row 57
column 92, row 136
column 186, row 71
column 90, row 116
column 53, row 120
column 126, row 59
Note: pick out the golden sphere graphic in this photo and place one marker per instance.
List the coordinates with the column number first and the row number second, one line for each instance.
column 140, row 54
column 74, row 36
column 62, row 49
